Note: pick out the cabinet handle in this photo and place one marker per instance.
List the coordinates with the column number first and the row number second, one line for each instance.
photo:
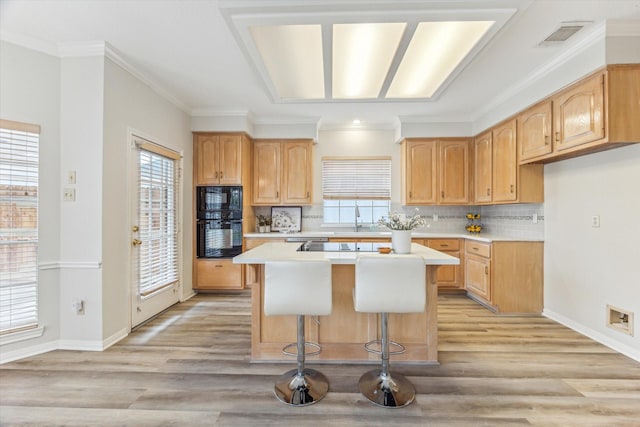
column 216, row 174
column 488, row 191
column 444, row 245
column 512, row 187
column 410, row 194
column 557, row 136
column 218, row 266
column 486, row 269
column 475, row 248
column 220, row 174
column 442, row 194
column 277, row 194
column 546, row 140
column 307, row 194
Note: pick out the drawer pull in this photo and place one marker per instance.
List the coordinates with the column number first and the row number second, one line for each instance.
column 557, row 136
column 444, row 245
column 218, row 266
column 486, row 270
column 475, row 248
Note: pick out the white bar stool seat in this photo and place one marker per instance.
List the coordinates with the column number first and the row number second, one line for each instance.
column 388, row 284
column 293, row 287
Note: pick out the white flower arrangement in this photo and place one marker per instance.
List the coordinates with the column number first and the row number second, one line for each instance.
column 400, row 221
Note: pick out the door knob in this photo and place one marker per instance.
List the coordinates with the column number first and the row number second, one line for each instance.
column 136, row 242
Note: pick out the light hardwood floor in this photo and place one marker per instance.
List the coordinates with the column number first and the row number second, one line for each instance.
column 190, row 367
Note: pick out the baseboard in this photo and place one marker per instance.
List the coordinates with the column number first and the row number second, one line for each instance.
column 92, row 345
column 594, row 335
column 34, row 350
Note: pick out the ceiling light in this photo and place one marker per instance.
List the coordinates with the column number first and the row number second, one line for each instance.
column 434, row 52
column 356, row 121
column 292, row 55
column 362, row 55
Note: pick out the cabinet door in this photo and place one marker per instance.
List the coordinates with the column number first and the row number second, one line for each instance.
column 579, row 114
column 207, row 160
column 534, row 131
column 217, row 274
column 478, row 276
column 296, row 180
column 266, row 173
column 482, row 168
column 454, row 172
column 230, row 160
column 421, row 157
column 505, row 162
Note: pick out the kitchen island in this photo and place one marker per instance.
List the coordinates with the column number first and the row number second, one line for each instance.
column 343, row 333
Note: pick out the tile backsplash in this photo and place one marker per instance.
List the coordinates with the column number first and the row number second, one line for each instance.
column 510, row 220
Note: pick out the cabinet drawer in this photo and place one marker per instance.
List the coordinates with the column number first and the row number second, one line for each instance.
column 478, row 248
column 218, row 274
column 444, row 244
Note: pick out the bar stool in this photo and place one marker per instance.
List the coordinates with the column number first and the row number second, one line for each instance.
column 388, row 284
column 293, row 287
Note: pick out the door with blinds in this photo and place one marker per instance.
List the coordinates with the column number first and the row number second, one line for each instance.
column 154, row 230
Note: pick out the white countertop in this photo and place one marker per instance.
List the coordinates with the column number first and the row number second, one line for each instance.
column 484, row 237
column 282, row 250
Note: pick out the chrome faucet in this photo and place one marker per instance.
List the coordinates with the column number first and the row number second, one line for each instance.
column 357, row 216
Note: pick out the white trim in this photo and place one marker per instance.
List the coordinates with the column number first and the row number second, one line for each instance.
column 628, row 351
column 71, row 265
column 10, row 356
column 26, row 334
column 81, row 49
column 581, row 46
column 32, row 43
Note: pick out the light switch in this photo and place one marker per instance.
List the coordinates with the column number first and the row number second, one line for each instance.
column 595, row 221
column 71, row 177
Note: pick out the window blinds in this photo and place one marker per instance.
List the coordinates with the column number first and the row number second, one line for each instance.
column 157, row 216
column 19, row 161
column 350, row 178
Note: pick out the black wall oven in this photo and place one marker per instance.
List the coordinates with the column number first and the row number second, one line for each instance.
column 219, row 221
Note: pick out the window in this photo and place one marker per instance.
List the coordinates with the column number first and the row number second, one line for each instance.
column 18, row 226
column 349, row 182
column 157, row 218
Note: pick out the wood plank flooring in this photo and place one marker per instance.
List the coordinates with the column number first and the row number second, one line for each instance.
column 190, row 367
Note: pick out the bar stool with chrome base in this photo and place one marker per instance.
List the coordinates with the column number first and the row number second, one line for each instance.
column 293, row 287
column 388, row 284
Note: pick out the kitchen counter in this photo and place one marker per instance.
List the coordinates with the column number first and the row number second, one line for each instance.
column 483, row 237
column 343, row 333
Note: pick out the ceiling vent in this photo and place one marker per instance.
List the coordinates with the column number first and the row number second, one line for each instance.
column 562, row 33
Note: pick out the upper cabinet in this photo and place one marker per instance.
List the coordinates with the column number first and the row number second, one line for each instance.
column 435, row 171
column 498, row 178
column 219, row 158
column 282, row 172
column 597, row 113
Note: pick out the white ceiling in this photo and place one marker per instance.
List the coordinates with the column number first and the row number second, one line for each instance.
column 193, row 51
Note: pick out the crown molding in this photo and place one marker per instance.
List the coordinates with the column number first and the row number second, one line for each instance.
column 596, row 35
column 30, row 43
column 82, row 49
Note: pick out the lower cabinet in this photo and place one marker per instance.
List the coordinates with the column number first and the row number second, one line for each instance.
column 505, row 276
column 216, row 274
column 448, row 277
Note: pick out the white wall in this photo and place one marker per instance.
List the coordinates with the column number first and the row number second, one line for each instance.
column 81, row 111
column 132, row 105
column 30, row 89
column 587, row 268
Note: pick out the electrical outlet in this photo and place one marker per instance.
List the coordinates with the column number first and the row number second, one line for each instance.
column 435, row 218
column 78, row 306
column 69, row 195
column 595, row 221
column 535, row 218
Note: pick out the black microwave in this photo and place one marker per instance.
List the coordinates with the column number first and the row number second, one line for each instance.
column 218, row 202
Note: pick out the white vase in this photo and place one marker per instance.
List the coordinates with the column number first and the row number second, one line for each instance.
column 401, row 241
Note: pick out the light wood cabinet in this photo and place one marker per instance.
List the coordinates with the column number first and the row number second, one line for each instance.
column 596, row 113
column 435, row 171
column 448, row 277
column 217, row 274
column 282, row 172
column 498, row 177
column 505, row 276
column 534, row 131
column 505, row 162
column 218, row 159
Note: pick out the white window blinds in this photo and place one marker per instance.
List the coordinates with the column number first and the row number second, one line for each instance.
column 157, row 216
column 18, row 225
column 352, row 178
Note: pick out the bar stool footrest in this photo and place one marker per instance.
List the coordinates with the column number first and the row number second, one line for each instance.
column 306, row 343
column 368, row 345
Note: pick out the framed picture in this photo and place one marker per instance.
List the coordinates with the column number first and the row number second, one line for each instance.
column 286, row 219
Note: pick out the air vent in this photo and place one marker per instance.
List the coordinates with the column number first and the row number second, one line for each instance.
column 562, row 33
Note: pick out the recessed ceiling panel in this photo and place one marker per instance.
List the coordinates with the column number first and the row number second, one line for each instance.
column 362, row 54
column 434, row 52
column 292, row 55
